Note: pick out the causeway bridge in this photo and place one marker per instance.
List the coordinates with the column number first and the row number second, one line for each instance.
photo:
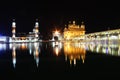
column 108, row 35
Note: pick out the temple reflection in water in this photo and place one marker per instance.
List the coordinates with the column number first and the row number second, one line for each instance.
column 32, row 47
column 74, row 51
column 57, row 46
column 14, row 56
column 108, row 49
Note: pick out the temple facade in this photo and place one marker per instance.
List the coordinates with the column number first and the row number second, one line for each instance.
column 74, row 32
column 23, row 37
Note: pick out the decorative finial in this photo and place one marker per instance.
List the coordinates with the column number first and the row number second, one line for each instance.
column 36, row 20
column 13, row 20
column 73, row 22
column 82, row 22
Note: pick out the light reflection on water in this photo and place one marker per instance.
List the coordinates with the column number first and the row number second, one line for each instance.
column 34, row 49
column 73, row 52
column 3, row 46
column 108, row 49
column 57, row 46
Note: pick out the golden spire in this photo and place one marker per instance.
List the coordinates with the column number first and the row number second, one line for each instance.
column 82, row 23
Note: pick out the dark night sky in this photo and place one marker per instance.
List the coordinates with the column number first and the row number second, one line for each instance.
column 98, row 16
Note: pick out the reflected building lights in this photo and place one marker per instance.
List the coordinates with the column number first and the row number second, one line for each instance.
column 30, row 48
column 57, row 46
column 36, row 57
column 33, row 48
column 23, row 46
column 2, row 46
column 56, row 50
column 119, row 51
column 74, row 53
column 108, row 49
column 36, row 53
column 30, row 51
column 14, row 56
column 10, row 46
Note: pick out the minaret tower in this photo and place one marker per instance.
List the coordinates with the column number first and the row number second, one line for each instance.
column 13, row 28
column 36, row 29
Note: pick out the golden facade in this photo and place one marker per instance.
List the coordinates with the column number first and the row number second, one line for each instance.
column 74, row 32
